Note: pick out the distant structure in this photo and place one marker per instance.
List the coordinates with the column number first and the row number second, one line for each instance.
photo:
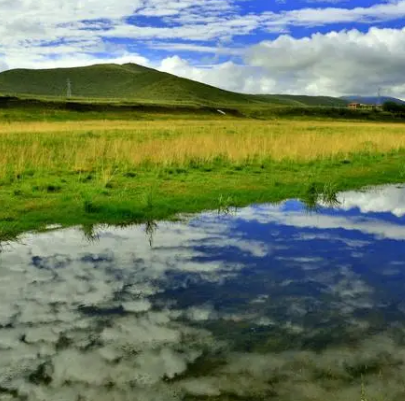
column 68, row 89
column 370, row 102
column 361, row 106
column 379, row 104
column 221, row 112
column 353, row 105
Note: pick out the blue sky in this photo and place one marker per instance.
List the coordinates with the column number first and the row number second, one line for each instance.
column 334, row 47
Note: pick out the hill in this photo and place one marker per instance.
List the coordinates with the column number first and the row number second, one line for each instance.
column 132, row 82
column 372, row 99
column 299, row 100
column 110, row 81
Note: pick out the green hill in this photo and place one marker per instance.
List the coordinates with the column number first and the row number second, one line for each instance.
column 134, row 83
column 326, row 101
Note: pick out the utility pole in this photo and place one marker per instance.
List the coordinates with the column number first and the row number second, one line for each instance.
column 68, row 89
column 379, row 97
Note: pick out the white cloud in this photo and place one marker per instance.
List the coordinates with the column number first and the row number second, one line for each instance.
column 230, row 76
column 318, row 16
column 335, row 63
column 40, row 59
column 3, row 66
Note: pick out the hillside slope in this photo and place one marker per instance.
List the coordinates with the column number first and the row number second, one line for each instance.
column 131, row 82
column 110, row 81
column 299, row 100
column 372, row 99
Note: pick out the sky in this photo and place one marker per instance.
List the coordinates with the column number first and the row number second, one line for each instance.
column 312, row 47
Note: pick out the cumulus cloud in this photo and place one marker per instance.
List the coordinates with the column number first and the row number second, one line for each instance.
column 336, row 63
column 229, row 75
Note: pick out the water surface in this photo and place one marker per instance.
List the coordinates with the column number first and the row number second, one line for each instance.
column 270, row 302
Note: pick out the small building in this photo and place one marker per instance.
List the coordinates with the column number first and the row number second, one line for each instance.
column 361, row 106
column 354, row 106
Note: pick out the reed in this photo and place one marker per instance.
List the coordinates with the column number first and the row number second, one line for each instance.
column 112, row 146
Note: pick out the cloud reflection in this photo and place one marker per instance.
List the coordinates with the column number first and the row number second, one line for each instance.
column 273, row 291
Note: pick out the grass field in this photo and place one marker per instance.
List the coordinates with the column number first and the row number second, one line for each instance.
column 48, row 109
column 98, row 146
column 89, row 172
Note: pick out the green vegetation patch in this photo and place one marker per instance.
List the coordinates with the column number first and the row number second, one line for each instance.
column 33, row 201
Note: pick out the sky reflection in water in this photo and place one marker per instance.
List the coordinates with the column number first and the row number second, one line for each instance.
column 272, row 302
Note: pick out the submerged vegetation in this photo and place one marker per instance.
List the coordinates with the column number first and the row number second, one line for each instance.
column 87, row 172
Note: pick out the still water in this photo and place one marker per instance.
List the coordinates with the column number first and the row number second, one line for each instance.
column 270, row 302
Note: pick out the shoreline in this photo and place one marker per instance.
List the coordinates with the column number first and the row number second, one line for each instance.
column 164, row 194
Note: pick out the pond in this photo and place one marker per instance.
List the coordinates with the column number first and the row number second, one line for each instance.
column 267, row 302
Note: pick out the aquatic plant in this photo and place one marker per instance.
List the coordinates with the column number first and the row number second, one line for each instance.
column 226, row 204
column 329, row 194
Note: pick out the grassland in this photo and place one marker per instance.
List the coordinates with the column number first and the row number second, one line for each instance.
column 89, row 172
column 21, row 109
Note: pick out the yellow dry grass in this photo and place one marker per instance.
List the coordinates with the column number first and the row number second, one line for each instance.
column 111, row 144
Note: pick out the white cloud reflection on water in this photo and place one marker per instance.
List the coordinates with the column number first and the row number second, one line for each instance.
column 389, row 199
column 65, row 334
column 371, row 226
column 47, row 279
column 386, row 199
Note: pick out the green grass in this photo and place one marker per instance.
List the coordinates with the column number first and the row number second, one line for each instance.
column 32, row 201
column 300, row 100
column 45, row 108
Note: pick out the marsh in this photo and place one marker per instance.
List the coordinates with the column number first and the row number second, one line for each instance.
column 270, row 301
